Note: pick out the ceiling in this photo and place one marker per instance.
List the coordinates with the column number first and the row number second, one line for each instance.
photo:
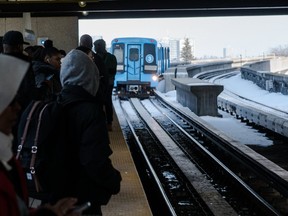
column 103, row 9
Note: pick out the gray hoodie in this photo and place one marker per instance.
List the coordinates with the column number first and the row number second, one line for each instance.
column 78, row 69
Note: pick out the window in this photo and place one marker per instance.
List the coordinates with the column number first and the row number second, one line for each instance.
column 134, row 54
column 118, row 51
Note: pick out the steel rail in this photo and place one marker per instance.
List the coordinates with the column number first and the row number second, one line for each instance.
column 170, row 207
column 279, row 183
column 223, row 166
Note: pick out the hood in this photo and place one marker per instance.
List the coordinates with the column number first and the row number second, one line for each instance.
column 78, row 69
column 12, row 71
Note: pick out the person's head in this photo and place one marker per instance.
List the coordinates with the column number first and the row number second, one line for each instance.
column 53, row 57
column 50, row 55
column 100, row 46
column 86, row 40
column 12, row 71
column 86, row 50
column 78, row 69
column 13, row 42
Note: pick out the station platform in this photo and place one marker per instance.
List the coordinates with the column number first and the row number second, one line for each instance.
column 131, row 200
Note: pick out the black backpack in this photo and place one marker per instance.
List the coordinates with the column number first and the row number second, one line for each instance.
column 41, row 123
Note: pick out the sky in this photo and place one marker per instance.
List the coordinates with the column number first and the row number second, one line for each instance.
column 246, row 35
column 230, row 126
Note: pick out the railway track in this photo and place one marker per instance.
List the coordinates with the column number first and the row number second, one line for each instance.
column 196, row 170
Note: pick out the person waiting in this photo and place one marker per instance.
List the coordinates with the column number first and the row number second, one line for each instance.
column 111, row 67
column 13, row 188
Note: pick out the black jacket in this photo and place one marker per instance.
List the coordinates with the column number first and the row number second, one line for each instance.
column 104, row 79
column 81, row 164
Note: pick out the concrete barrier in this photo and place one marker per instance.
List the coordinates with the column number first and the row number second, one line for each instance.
column 270, row 75
column 198, row 95
column 195, row 69
column 260, row 117
column 181, row 72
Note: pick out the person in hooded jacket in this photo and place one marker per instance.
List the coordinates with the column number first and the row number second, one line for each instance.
column 13, row 188
column 46, row 66
column 81, row 165
column 87, row 41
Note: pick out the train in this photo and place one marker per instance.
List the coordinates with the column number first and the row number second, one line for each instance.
column 140, row 63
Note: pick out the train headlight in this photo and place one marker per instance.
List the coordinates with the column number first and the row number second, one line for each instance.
column 154, row 78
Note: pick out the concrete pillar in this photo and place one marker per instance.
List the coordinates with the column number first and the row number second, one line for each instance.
column 198, row 95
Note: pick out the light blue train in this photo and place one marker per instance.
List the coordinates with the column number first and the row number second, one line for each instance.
column 140, row 61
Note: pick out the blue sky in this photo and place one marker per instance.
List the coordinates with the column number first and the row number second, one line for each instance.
column 246, row 36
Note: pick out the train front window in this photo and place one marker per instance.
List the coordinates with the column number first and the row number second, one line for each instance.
column 134, row 54
column 118, row 51
column 149, row 50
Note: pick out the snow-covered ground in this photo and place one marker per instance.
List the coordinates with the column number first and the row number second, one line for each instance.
column 230, row 126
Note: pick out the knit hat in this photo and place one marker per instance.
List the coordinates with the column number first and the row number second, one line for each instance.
column 13, row 38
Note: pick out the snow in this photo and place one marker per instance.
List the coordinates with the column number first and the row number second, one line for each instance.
column 230, row 126
column 250, row 90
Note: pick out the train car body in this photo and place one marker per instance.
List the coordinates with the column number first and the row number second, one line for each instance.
column 139, row 63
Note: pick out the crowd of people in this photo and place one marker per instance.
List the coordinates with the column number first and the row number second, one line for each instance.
column 82, row 76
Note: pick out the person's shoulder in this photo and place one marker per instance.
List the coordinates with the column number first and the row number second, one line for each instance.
column 99, row 61
column 20, row 56
column 111, row 55
column 97, row 57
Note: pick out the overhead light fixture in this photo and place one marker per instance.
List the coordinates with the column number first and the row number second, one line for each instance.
column 85, row 13
column 82, row 3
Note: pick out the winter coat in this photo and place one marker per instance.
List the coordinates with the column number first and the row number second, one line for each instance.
column 81, row 165
column 85, row 170
column 14, row 194
column 13, row 188
column 110, row 62
column 8, row 194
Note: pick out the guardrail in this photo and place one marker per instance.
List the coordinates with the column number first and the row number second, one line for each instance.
column 269, row 74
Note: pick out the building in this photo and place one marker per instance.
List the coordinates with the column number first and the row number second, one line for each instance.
column 175, row 46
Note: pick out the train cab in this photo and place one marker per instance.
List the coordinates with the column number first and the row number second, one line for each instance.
column 137, row 66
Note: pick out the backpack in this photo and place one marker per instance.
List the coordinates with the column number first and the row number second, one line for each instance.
column 40, row 124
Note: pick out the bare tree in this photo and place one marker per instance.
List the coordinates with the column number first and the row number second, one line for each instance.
column 281, row 50
column 186, row 52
